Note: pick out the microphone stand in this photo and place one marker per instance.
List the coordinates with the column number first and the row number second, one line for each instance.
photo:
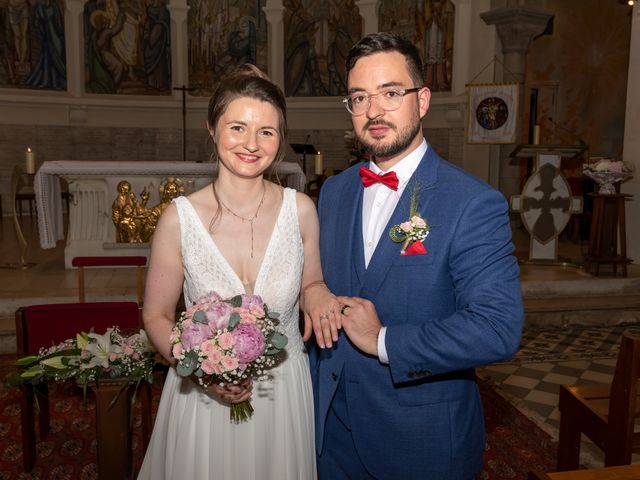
column 304, row 155
column 580, row 140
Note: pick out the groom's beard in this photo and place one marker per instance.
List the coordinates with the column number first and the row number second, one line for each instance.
column 401, row 143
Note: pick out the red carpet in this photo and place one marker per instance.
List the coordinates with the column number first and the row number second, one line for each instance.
column 514, row 443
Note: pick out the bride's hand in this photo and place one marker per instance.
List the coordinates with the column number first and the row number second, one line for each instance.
column 321, row 315
column 230, row 393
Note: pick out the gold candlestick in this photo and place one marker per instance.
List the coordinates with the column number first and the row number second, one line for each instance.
column 23, row 265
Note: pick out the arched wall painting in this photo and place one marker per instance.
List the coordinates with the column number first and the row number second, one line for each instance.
column 32, row 44
column 318, row 35
column 430, row 24
column 127, row 45
column 222, row 35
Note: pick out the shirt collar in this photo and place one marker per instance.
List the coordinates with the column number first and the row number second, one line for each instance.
column 406, row 166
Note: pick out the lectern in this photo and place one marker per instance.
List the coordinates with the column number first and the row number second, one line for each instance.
column 545, row 203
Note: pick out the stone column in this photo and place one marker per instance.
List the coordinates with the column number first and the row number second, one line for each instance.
column 179, row 46
column 516, row 27
column 631, row 148
column 369, row 13
column 74, row 40
column 274, row 12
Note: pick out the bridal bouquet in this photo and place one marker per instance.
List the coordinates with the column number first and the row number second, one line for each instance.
column 225, row 341
column 89, row 357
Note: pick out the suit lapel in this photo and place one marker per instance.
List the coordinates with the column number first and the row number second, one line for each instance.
column 350, row 234
column 424, row 178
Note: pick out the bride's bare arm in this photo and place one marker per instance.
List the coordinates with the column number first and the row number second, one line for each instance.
column 321, row 308
column 164, row 282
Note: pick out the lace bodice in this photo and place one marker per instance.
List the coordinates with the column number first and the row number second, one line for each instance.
column 279, row 277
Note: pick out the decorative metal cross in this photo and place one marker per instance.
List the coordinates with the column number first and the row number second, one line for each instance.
column 545, row 206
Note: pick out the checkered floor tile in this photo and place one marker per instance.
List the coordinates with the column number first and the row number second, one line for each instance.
column 553, row 357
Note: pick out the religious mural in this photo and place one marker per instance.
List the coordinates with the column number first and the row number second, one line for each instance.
column 222, row 35
column 32, row 44
column 429, row 23
column 127, row 47
column 318, row 35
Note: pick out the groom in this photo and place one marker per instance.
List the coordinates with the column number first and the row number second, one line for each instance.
column 420, row 254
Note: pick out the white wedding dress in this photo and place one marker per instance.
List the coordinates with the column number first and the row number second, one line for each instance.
column 193, row 438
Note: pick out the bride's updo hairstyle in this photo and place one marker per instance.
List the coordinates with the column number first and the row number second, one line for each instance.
column 250, row 82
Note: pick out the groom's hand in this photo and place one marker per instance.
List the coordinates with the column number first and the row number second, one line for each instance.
column 361, row 323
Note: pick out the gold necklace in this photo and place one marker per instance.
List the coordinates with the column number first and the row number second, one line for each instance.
column 250, row 220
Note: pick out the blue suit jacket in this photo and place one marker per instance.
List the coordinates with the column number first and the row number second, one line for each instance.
column 446, row 312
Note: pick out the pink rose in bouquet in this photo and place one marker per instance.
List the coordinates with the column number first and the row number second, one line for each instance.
column 225, row 341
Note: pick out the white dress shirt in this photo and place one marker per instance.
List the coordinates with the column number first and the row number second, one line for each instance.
column 378, row 204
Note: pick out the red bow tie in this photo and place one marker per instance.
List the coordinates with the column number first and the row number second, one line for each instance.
column 390, row 179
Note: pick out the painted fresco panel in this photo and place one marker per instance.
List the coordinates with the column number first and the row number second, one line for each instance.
column 222, row 35
column 318, row 35
column 127, row 47
column 430, row 24
column 32, row 44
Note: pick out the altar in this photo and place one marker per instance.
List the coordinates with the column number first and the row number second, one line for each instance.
column 93, row 188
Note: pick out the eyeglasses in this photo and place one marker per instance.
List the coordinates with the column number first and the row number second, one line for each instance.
column 388, row 99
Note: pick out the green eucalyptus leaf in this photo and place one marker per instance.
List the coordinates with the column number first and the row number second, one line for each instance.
column 200, row 317
column 184, row 370
column 236, row 301
column 234, row 320
column 278, row 340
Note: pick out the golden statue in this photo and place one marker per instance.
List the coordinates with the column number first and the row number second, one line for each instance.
column 134, row 221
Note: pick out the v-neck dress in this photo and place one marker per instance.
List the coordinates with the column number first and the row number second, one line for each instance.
column 193, row 437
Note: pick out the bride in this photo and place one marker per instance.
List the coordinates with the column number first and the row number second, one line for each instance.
column 239, row 234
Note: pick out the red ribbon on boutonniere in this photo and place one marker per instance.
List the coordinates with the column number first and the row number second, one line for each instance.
column 412, row 232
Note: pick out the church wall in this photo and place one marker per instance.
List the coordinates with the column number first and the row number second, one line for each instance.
column 631, row 151
column 580, row 73
column 590, row 38
column 76, row 125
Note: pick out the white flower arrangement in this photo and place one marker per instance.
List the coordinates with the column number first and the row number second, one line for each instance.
column 607, row 171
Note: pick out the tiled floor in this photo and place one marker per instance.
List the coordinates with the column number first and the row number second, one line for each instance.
column 549, row 356
column 552, row 357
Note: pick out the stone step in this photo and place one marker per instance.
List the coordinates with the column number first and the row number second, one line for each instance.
column 598, row 302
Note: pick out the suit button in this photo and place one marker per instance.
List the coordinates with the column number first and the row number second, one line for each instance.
column 334, row 377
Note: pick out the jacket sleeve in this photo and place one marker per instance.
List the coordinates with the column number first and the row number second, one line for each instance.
column 486, row 323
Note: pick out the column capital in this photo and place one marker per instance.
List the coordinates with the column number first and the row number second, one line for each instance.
column 273, row 10
column 179, row 10
column 517, row 26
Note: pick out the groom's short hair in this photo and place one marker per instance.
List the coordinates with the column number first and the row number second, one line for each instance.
column 388, row 42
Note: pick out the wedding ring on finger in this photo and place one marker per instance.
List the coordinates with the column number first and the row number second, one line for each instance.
column 344, row 309
column 324, row 316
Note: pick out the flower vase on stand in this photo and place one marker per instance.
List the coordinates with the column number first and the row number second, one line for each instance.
column 606, row 173
column 113, row 427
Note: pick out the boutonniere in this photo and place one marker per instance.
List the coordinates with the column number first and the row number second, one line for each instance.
column 412, row 232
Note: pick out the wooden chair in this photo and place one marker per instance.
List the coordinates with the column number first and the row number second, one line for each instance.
column 116, row 261
column 604, row 413
column 40, row 326
column 626, row 472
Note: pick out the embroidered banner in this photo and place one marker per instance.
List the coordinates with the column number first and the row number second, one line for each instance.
column 493, row 110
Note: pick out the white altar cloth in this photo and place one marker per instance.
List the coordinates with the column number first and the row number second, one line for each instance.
column 49, row 202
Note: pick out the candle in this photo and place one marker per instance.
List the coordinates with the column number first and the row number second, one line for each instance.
column 318, row 164
column 31, row 161
column 536, row 134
